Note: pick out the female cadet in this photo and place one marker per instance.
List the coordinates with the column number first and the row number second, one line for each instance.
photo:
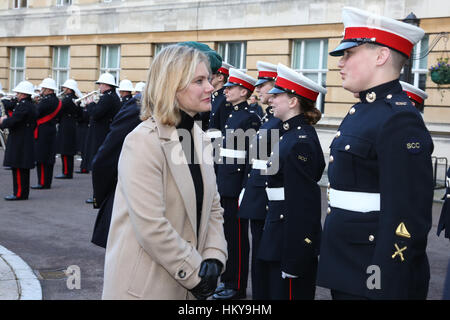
column 291, row 236
column 166, row 237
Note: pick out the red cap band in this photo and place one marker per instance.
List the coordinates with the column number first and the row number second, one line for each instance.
column 382, row 37
column 242, row 82
column 267, row 74
column 298, row 89
column 223, row 70
column 415, row 97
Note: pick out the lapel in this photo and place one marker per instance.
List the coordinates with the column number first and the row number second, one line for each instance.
column 203, row 150
column 177, row 164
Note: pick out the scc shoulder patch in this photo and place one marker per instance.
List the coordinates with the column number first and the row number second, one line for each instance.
column 414, row 145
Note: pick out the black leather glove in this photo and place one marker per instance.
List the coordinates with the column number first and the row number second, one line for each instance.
column 209, row 273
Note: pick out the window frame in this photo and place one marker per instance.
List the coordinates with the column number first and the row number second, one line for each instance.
column 60, row 3
column 17, row 4
column 321, row 72
column 58, row 69
column 416, row 71
column 113, row 71
column 243, row 54
column 13, row 69
column 160, row 46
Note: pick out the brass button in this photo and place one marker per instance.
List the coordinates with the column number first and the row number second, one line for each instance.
column 347, row 147
column 329, row 210
column 281, row 216
column 352, row 110
column 448, row 196
column 267, row 207
column 389, row 96
column 181, row 274
column 331, row 158
column 371, row 238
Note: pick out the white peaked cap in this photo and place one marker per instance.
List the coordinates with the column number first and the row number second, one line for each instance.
column 241, row 79
column 126, row 85
column 413, row 92
column 290, row 81
column 225, row 68
column 366, row 27
column 266, row 72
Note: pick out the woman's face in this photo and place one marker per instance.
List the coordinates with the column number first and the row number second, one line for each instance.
column 282, row 105
column 196, row 97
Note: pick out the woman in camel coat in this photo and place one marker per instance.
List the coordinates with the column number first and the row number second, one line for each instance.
column 166, row 238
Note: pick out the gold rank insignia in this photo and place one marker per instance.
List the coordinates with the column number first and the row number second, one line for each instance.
column 401, row 231
column 308, row 241
column 300, row 157
column 371, row 96
column 399, row 252
column 286, row 126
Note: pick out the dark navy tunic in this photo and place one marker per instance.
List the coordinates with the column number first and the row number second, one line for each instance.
column 382, row 148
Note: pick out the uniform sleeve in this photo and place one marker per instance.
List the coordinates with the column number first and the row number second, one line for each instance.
column 303, row 212
column 19, row 114
column 404, row 148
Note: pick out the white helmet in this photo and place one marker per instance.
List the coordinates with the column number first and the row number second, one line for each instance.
column 49, row 83
column 126, row 85
column 70, row 84
column 139, row 86
column 24, row 87
column 107, row 78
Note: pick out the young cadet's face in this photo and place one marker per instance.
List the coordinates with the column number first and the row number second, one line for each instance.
column 196, row 97
column 262, row 91
column 357, row 66
column 235, row 94
column 281, row 105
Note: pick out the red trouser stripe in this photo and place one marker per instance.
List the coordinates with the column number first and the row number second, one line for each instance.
column 42, row 174
column 290, row 289
column 65, row 165
column 239, row 274
column 19, row 184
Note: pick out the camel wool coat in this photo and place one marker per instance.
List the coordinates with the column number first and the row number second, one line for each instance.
column 153, row 249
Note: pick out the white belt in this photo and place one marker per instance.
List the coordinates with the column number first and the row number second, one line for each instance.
column 275, row 194
column 241, row 195
column 354, row 201
column 259, row 164
column 213, row 134
column 231, row 153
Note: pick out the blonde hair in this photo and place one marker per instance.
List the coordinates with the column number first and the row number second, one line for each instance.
column 171, row 71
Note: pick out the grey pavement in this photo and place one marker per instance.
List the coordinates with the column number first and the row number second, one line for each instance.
column 45, row 237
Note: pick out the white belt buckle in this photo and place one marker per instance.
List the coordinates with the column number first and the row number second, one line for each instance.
column 275, row 194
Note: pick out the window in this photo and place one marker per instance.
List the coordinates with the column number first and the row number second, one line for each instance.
column 110, row 61
column 61, row 3
column 20, row 4
column 309, row 57
column 419, row 66
column 160, row 46
column 60, row 65
column 17, row 66
column 234, row 53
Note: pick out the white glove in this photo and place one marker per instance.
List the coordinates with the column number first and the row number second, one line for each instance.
column 285, row 275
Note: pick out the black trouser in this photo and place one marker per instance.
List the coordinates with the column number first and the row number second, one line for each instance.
column 21, row 182
column 299, row 288
column 45, row 174
column 259, row 269
column 236, row 234
column 67, row 165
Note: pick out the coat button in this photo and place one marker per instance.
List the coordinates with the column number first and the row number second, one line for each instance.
column 352, row 110
column 389, row 96
column 371, row 238
column 181, row 274
column 329, row 210
column 338, row 134
column 281, row 216
column 347, row 147
column 448, row 196
column 331, row 159
column 267, row 207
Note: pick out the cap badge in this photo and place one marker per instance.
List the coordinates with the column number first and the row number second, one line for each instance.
column 371, row 96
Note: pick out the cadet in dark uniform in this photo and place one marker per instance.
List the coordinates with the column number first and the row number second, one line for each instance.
column 415, row 95
column 104, row 167
column 67, row 129
column 239, row 129
column 45, row 134
column 291, row 236
column 19, row 153
column 82, row 130
column 380, row 174
column 125, row 90
column 444, row 224
column 254, row 199
column 219, row 110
